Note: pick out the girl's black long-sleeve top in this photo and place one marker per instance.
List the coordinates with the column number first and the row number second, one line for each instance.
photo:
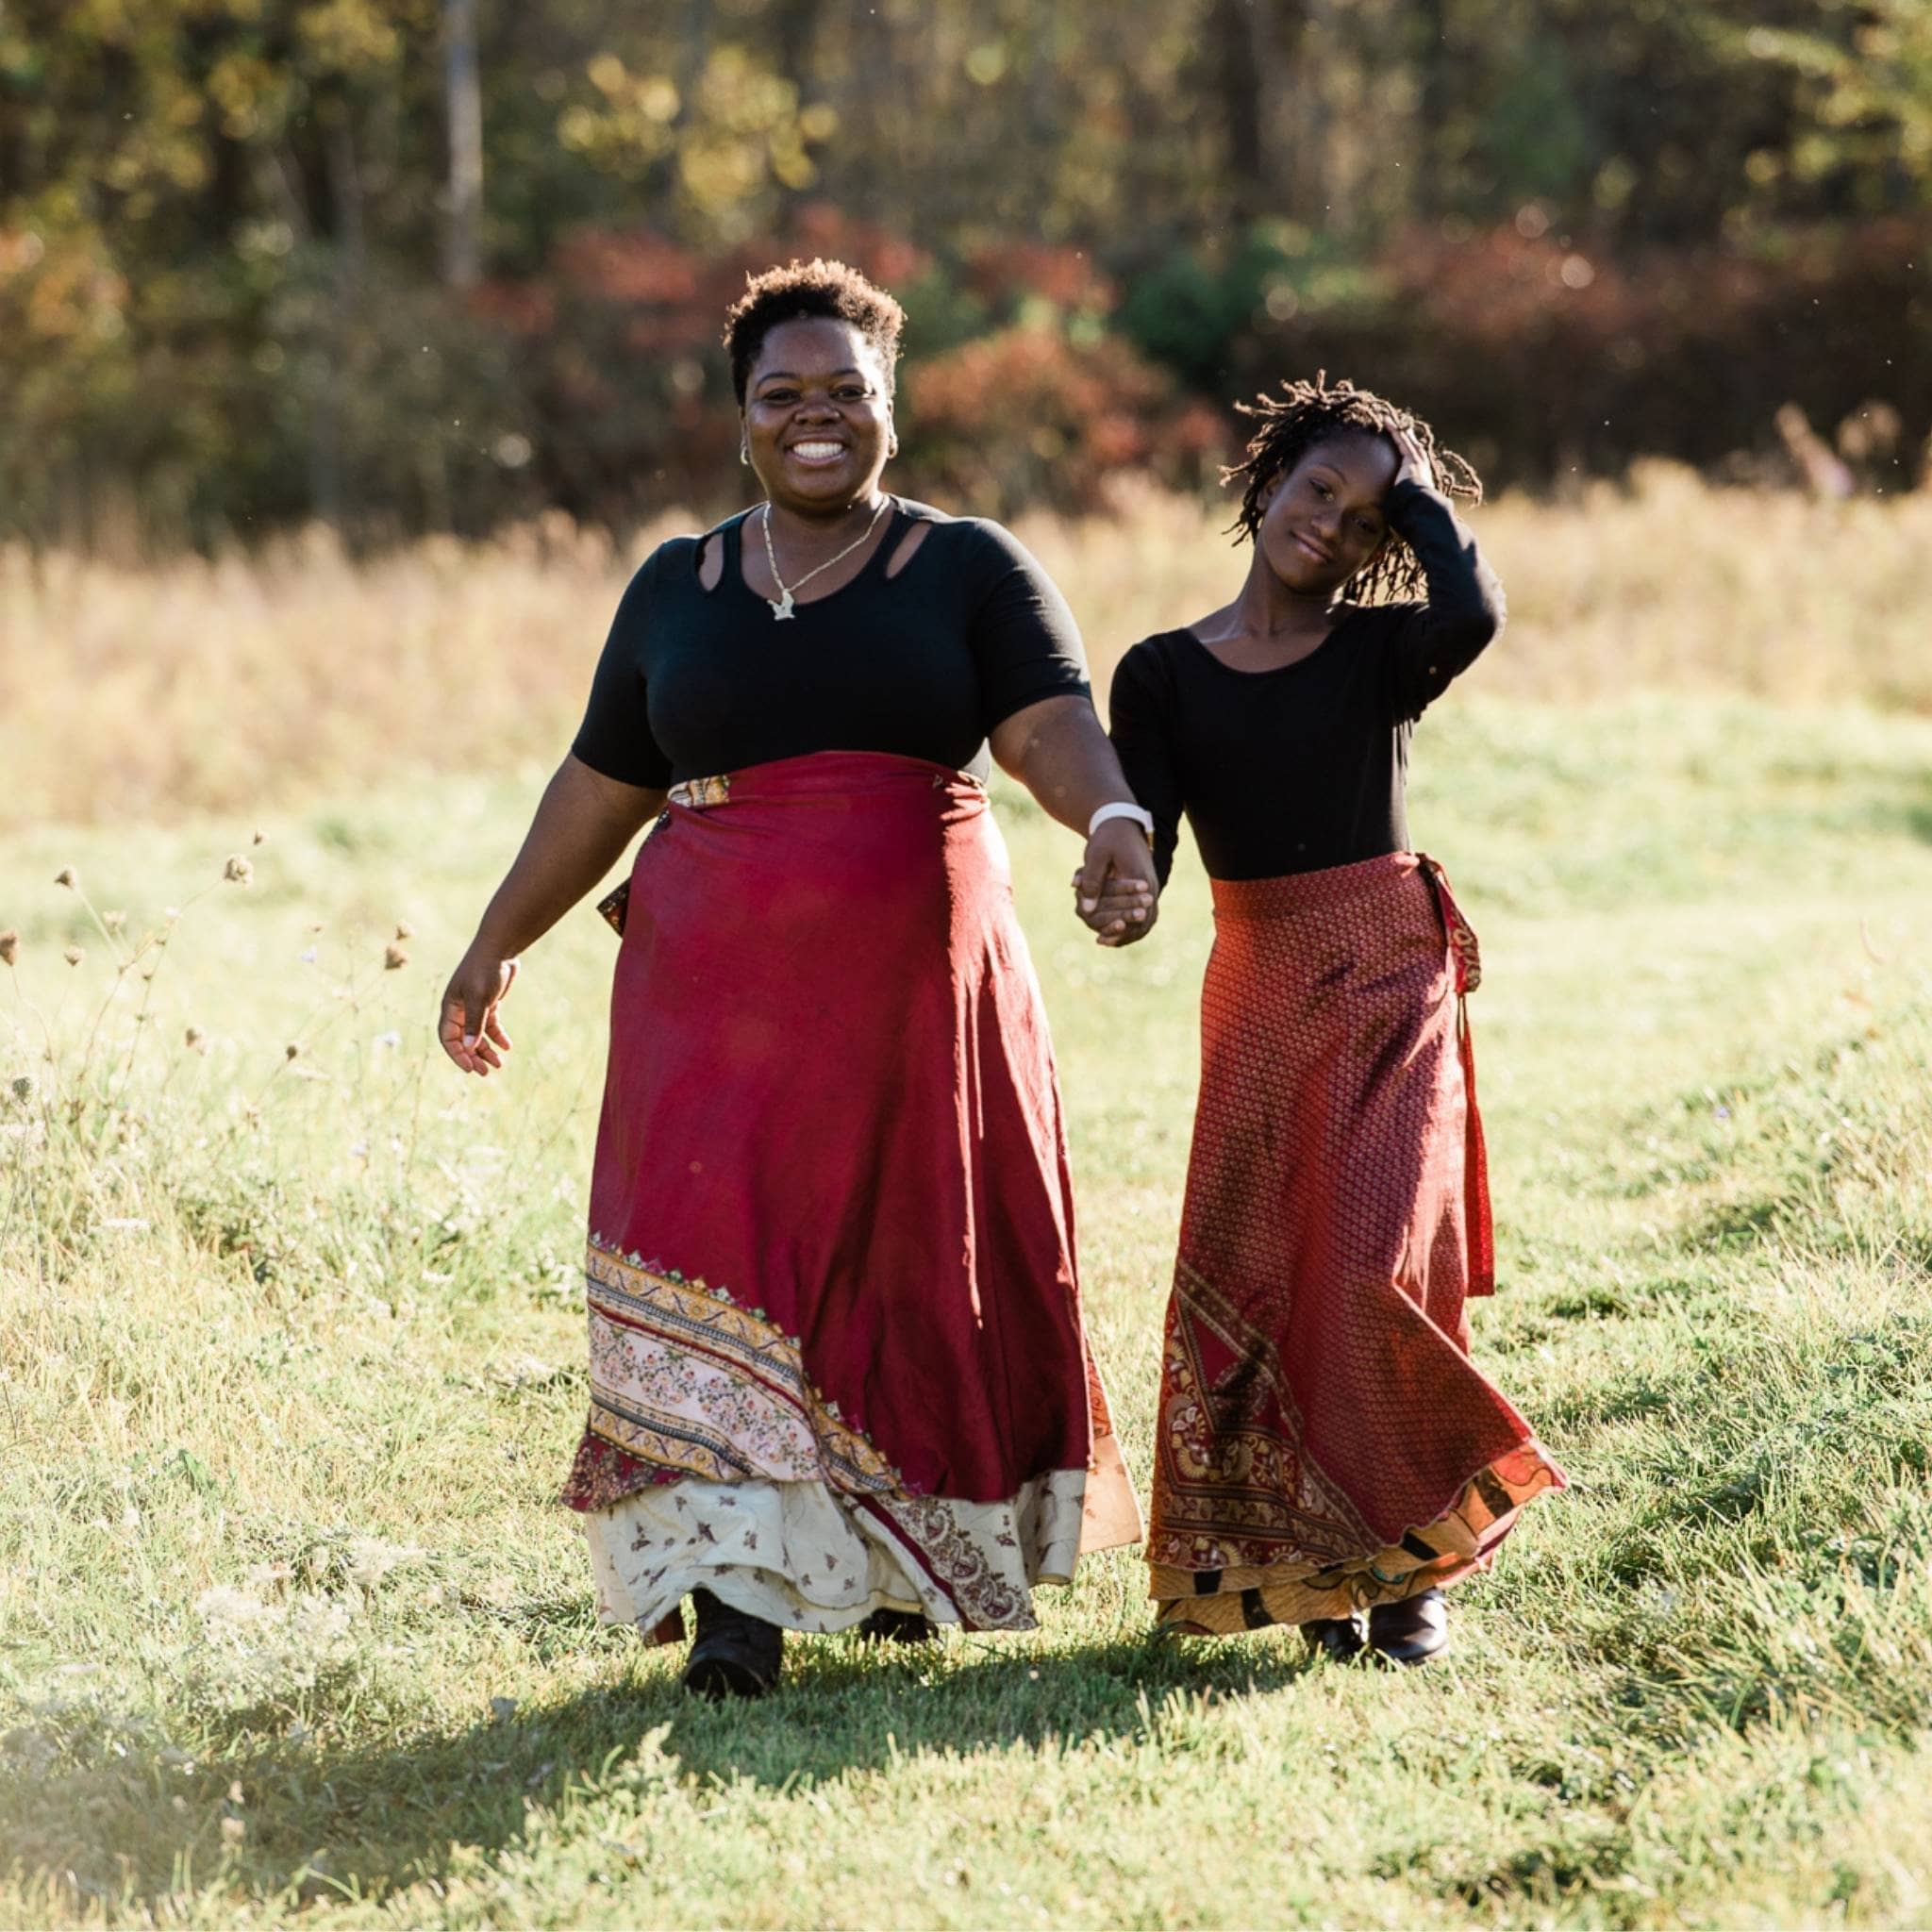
column 1305, row 767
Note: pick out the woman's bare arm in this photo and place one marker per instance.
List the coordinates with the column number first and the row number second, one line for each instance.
column 582, row 825
column 1057, row 750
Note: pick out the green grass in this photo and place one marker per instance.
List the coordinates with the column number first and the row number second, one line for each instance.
column 290, row 1369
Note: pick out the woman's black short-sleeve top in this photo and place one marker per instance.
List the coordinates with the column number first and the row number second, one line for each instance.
column 924, row 664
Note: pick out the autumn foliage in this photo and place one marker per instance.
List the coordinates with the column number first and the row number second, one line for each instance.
column 240, row 290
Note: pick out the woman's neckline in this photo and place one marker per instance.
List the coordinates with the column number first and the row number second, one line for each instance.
column 734, row 562
column 1345, row 614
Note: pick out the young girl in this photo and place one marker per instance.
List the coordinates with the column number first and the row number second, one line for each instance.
column 1327, row 1452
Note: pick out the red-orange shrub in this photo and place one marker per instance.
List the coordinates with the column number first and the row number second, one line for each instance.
column 1028, row 417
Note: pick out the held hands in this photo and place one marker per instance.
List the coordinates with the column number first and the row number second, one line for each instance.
column 1116, row 891
column 471, row 1029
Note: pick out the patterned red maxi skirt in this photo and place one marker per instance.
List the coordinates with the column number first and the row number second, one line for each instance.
column 1325, row 1442
column 837, row 1357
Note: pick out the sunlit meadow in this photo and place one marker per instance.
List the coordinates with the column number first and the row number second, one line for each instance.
column 290, row 1626
column 252, row 681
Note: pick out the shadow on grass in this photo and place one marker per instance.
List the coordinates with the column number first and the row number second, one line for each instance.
column 849, row 1706
column 121, row 1820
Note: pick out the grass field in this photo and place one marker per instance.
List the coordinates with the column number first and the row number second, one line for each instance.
column 290, row 1367
column 251, row 682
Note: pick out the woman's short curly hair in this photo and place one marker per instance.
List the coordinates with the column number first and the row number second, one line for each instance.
column 802, row 292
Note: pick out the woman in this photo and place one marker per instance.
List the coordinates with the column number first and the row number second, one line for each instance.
column 838, row 1378
column 1325, row 1446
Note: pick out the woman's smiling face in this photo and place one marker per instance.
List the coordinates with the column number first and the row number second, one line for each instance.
column 818, row 417
column 1324, row 520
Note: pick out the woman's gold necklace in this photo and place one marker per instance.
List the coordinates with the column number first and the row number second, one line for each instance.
column 781, row 604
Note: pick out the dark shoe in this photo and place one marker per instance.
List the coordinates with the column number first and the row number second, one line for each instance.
column 1341, row 1639
column 896, row 1626
column 1412, row 1631
column 735, row 1655
column 1170, row 1632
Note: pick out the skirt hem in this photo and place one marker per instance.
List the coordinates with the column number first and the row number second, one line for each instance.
column 1296, row 1589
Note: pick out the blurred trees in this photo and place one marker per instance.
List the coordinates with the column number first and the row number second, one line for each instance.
column 429, row 263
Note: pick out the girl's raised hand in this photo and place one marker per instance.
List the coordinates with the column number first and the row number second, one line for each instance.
column 470, row 1028
column 1412, row 463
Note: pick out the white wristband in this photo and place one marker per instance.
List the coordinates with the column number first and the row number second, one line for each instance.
column 1122, row 808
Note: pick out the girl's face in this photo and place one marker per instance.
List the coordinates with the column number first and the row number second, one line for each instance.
column 817, row 421
column 1323, row 520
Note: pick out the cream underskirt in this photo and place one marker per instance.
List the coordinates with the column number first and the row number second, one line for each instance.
column 805, row 1556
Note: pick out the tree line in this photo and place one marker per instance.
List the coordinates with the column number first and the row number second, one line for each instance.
column 412, row 265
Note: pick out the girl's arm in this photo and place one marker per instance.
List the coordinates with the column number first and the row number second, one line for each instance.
column 1140, row 710
column 582, row 826
column 1439, row 641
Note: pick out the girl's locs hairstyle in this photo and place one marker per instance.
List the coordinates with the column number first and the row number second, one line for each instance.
column 1307, row 413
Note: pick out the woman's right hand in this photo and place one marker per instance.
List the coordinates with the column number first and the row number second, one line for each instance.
column 1117, row 890
column 470, row 1028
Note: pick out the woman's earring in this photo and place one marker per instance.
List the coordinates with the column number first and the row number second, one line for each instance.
column 744, row 451
column 892, row 449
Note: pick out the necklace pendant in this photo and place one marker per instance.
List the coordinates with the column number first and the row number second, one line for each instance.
column 781, row 608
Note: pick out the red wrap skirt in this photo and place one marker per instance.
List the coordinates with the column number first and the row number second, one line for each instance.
column 1324, row 1440
column 836, row 1358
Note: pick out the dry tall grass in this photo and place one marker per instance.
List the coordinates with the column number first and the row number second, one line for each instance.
column 124, row 694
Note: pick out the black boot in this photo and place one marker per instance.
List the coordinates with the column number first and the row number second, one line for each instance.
column 1341, row 1639
column 733, row 1653
column 896, row 1626
column 1413, row 1630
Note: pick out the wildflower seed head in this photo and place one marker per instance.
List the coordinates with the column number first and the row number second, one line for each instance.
column 113, row 921
column 10, row 946
column 291, row 1051
column 73, row 955
column 67, row 876
column 260, row 837
column 195, row 1039
column 239, row 871
column 394, row 957
column 405, row 931
column 22, row 1088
